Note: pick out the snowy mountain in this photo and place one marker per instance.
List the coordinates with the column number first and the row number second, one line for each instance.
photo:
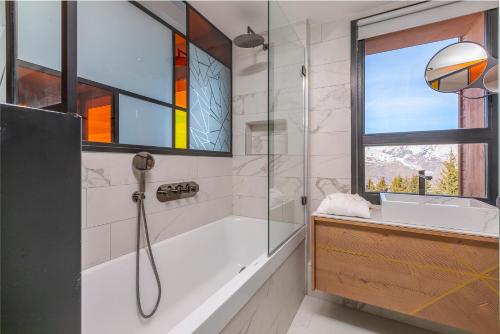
column 390, row 161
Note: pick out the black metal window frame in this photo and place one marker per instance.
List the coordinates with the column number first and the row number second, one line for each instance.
column 70, row 80
column 360, row 140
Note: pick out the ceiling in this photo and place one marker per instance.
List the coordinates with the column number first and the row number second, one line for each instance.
column 232, row 17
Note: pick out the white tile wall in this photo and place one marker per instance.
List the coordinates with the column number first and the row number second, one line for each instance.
column 96, row 245
column 330, row 110
column 109, row 216
column 108, row 213
column 249, row 172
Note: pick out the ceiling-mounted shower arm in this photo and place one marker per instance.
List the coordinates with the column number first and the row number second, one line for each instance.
column 250, row 40
column 265, row 46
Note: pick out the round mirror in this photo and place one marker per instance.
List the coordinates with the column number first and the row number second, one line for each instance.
column 456, row 67
column 490, row 80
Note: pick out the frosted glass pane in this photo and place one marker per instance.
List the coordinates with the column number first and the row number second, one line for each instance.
column 121, row 46
column 172, row 12
column 209, row 102
column 144, row 123
column 39, row 33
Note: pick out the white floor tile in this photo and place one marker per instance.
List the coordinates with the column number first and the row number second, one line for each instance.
column 316, row 316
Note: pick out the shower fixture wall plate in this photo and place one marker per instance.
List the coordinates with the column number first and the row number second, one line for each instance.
column 174, row 191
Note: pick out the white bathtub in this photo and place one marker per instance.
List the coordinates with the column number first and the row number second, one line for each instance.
column 202, row 286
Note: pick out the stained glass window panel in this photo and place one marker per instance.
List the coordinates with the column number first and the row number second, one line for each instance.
column 172, row 12
column 37, row 87
column 124, row 47
column 95, row 105
column 209, row 102
column 38, row 64
column 144, row 123
column 209, row 38
column 181, row 63
column 180, row 129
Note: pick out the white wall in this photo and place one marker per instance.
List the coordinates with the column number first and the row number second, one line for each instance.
column 249, row 105
column 109, row 216
column 330, row 110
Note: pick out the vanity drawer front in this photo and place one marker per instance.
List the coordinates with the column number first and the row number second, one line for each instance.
column 444, row 278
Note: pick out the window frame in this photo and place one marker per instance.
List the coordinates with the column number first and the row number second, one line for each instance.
column 69, row 80
column 360, row 140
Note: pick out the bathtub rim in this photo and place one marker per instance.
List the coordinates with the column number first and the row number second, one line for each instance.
column 217, row 311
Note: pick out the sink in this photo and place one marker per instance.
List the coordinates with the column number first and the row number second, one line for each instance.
column 464, row 215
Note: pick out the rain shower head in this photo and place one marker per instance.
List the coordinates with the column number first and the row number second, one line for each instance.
column 249, row 40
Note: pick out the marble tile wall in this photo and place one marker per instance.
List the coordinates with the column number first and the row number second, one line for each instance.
column 273, row 307
column 330, row 112
column 249, row 108
column 109, row 216
column 250, row 80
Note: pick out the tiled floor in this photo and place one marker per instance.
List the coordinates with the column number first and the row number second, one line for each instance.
column 316, row 316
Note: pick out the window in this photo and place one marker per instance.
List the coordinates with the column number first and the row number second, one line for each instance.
column 38, row 61
column 210, row 100
column 137, row 87
column 401, row 127
column 95, row 105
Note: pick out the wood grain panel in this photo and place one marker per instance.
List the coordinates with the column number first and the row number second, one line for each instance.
column 444, row 277
column 428, row 33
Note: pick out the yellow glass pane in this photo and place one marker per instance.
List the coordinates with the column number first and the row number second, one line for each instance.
column 180, row 129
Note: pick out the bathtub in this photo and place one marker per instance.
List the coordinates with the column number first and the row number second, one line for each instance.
column 207, row 275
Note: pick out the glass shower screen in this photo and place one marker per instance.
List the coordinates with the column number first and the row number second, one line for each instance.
column 287, row 56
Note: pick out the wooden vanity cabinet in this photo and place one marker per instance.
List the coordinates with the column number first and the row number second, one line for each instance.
column 444, row 277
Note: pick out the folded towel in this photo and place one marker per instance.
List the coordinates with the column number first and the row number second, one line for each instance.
column 345, row 205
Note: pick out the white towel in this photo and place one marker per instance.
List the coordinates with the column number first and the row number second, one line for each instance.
column 345, row 205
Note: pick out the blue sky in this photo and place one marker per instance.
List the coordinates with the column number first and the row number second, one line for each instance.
column 397, row 97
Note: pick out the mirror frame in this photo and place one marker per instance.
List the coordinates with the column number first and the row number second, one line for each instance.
column 471, row 85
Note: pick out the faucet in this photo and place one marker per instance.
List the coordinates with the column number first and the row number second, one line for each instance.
column 421, row 181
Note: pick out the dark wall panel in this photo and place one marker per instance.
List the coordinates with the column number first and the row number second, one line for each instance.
column 40, row 165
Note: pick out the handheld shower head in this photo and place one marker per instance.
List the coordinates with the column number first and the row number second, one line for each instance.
column 143, row 161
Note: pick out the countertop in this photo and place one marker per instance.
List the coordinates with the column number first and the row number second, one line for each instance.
column 376, row 218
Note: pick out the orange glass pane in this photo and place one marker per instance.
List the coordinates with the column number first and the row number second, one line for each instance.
column 181, row 63
column 99, row 120
column 95, row 105
column 37, row 87
column 208, row 38
column 476, row 71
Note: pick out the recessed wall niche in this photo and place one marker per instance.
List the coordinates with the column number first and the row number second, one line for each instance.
column 256, row 138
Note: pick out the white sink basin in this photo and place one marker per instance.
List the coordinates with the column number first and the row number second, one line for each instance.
column 444, row 213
